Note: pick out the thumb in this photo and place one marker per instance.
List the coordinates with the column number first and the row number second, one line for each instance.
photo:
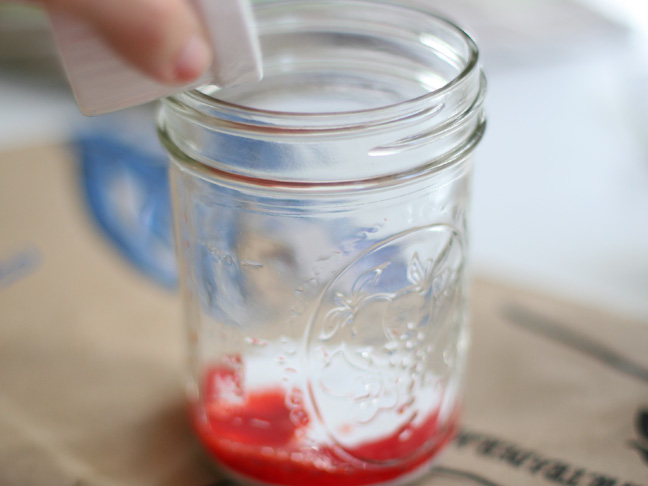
column 162, row 38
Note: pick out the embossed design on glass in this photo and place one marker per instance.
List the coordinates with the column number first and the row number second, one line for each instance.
column 372, row 340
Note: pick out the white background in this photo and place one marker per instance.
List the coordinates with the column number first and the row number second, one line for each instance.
column 561, row 186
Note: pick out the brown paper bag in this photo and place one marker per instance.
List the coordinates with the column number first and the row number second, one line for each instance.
column 92, row 363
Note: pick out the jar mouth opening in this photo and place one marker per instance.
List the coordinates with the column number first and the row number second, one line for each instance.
column 353, row 90
column 207, row 103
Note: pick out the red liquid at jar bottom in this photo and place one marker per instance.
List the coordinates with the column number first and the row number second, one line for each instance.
column 257, row 437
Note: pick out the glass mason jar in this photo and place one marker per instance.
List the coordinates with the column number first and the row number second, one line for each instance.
column 320, row 220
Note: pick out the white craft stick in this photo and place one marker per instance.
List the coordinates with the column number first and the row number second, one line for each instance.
column 103, row 82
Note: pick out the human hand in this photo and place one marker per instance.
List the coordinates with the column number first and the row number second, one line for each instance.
column 162, row 38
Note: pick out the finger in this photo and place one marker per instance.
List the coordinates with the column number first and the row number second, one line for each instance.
column 162, row 38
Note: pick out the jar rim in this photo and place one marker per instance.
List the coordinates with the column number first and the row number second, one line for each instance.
column 205, row 106
column 402, row 48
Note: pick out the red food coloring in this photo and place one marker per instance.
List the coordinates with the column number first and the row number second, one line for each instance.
column 406, row 442
column 260, row 434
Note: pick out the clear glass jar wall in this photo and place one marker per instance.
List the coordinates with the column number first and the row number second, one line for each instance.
column 321, row 226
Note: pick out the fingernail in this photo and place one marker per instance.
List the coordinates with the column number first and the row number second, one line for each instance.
column 193, row 61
